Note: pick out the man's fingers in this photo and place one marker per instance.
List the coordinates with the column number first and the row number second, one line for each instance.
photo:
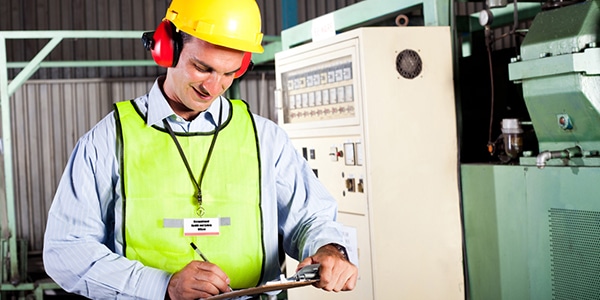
column 198, row 280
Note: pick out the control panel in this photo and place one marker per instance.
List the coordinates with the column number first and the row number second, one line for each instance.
column 372, row 111
column 319, row 92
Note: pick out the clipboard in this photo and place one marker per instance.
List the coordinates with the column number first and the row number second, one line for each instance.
column 305, row 276
column 262, row 289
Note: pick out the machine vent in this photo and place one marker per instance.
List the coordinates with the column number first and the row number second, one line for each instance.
column 575, row 254
column 409, row 64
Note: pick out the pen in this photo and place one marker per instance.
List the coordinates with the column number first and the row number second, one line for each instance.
column 203, row 257
column 199, row 252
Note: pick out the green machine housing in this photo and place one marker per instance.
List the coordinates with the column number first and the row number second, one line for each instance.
column 558, row 69
column 532, row 229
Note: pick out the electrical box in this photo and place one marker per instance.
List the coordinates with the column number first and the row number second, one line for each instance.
column 375, row 109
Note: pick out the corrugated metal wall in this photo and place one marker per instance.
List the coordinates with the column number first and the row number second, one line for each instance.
column 82, row 15
column 310, row 9
column 48, row 117
column 258, row 89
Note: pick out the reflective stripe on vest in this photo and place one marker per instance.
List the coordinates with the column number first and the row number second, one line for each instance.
column 156, row 186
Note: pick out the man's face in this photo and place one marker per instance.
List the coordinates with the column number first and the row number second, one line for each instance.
column 204, row 71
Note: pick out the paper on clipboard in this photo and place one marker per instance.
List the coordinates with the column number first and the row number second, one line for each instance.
column 306, row 276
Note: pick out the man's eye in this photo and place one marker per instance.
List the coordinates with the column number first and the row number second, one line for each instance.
column 200, row 69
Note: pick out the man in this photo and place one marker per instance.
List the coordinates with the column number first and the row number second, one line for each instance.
column 185, row 165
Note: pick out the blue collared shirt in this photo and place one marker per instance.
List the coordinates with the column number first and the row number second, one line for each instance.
column 83, row 243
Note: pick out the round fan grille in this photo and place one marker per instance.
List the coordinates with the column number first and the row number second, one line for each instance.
column 409, row 64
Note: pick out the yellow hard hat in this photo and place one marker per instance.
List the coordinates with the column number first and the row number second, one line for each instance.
column 233, row 24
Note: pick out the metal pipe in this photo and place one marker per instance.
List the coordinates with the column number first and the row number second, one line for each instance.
column 543, row 157
column 14, row 275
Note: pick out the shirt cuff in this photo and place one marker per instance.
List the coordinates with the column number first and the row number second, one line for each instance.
column 154, row 284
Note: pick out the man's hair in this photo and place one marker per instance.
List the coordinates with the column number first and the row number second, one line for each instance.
column 185, row 37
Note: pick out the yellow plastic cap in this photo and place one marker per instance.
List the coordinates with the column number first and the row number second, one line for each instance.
column 233, row 24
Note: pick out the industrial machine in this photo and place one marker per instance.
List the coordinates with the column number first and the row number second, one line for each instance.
column 372, row 110
column 532, row 227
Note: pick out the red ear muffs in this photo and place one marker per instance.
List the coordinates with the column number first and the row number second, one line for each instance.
column 164, row 44
column 246, row 63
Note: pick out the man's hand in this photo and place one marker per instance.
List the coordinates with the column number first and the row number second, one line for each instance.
column 197, row 280
column 336, row 272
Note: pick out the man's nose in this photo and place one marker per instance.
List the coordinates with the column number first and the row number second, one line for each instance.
column 214, row 83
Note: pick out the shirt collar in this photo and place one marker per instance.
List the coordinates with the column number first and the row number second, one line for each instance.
column 159, row 108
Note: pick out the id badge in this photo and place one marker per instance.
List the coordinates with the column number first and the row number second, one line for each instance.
column 201, row 226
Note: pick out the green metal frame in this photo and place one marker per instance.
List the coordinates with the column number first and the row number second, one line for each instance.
column 37, row 288
column 502, row 16
column 435, row 12
column 8, row 89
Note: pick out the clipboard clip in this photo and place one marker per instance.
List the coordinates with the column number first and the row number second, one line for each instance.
column 310, row 272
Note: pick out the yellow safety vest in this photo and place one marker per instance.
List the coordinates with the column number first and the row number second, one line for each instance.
column 156, row 186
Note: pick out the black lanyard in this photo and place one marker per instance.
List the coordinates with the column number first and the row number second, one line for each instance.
column 197, row 184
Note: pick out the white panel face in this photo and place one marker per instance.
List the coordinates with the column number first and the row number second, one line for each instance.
column 330, row 163
column 379, row 124
column 364, row 288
